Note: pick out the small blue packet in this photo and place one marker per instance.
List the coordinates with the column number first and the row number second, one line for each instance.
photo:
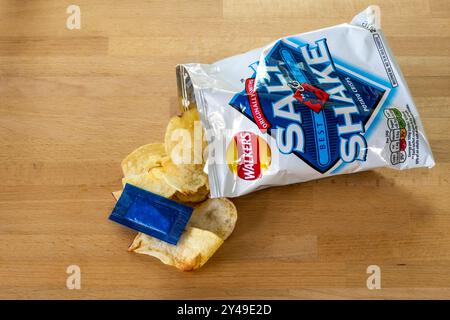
column 151, row 214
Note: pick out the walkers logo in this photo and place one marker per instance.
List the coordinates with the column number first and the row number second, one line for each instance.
column 248, row 155
column 313, row 108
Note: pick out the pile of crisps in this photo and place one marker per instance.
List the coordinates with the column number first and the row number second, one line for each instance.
column 152, row 167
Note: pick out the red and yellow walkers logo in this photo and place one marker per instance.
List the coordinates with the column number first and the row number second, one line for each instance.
column 248, row 155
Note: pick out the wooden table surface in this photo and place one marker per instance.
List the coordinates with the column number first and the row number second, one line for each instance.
column 73, row 103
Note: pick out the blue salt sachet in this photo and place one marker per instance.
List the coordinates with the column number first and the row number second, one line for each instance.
column 151, row 214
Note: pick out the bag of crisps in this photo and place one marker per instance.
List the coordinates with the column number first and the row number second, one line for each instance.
column 308, row 106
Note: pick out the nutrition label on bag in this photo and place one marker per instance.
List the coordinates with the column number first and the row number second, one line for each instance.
column 402, row 135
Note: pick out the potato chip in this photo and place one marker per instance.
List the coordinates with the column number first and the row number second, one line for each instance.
column 186, row 179
column 184, row 139
column 143, row 159
column 151, row 181
column 152, row 167
column 174, row 124
column 200, row 195
column 117, row 194
column 194, row 248
column 217, row 215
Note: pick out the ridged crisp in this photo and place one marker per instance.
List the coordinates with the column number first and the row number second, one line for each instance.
column 217, row 215
column 143, row 159
column 194, row 248
column 151, row 181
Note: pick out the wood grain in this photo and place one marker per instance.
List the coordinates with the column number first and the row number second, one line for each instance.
column 74, row 103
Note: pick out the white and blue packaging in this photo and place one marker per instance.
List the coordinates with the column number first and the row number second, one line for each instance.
column 321, row 103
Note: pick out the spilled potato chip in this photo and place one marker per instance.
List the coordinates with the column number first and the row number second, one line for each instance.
column 175, row 170
column 143, row 159
column 187, row 178
column 117, row 194
column 151, row 181
column 169, row 141
column 194, row 248
column 217, row 215
column 200, row 195
column 184, row 139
